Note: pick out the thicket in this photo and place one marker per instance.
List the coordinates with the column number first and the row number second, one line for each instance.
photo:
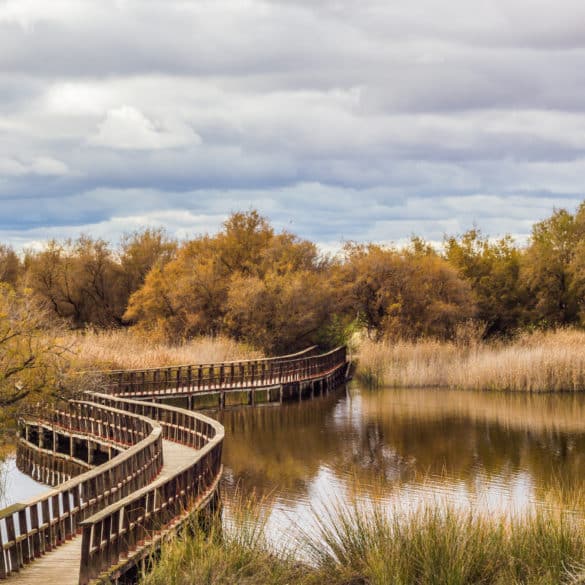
column 277, row 293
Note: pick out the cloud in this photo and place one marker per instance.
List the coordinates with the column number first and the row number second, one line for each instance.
column 351, row 119
column 129, row 129
column 41, row 165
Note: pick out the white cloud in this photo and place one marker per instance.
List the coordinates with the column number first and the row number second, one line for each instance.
column 128, row 128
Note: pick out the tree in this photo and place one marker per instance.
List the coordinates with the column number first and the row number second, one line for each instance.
column 492, row 268
column 408, row 293
column 186, row 296
column 140, row 252
column 79, row 279
column 242, row 242
column 9, row 265
column 552, row 268
column 280, row 312
column 229, row 282
column 30, row 357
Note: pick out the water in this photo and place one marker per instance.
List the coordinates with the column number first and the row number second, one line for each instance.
column 15, row 485
column 496, row 452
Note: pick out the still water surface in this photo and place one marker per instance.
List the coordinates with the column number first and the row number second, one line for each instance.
column 495, row 451
column 491, row 451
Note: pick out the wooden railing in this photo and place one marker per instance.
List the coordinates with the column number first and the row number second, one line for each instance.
column 137, row 522
column 43, row 457
column 121, row 507
column 191, row 379
column 31, row 529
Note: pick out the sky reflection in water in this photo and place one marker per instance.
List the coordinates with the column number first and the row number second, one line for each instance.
column 491, row 452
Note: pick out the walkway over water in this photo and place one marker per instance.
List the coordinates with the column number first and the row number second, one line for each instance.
column 129, row 472
column 62, row 565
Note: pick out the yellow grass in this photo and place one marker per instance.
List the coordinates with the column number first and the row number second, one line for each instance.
column 538, row 362
column 125, row 349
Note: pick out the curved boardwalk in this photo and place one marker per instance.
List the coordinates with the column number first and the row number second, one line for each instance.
column 62, row 565
column 129, row 471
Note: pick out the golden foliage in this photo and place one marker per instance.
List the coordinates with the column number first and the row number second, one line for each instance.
column 31, row 358
column 405, row 293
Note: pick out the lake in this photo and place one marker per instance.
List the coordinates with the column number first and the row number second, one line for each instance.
column 502, row 452
column 492, row 451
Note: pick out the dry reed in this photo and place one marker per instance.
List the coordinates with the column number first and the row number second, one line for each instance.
column 126, row 349
column 537, row 362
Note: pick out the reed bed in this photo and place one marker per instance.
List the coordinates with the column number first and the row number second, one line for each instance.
column 551, row 361
column 356, row 543
column 126, row 349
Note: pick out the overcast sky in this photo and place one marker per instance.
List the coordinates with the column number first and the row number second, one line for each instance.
column 337, row 119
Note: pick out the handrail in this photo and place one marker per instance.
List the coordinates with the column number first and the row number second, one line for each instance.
column 121, row 508
column 32, row 528
column 125, row 527
column 246, row 374
column 307, row 350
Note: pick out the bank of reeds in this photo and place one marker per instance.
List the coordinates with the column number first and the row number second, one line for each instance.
column 358, row 544
column 126, row 349
column 536, row 362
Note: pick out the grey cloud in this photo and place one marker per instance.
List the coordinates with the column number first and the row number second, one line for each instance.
column 339, row 119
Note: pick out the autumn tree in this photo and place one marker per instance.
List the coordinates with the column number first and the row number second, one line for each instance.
column 139, row 252
column 186, row 296
column 246, row 281
column 31, row 359
column 9, row 265
column 492, row 268
column 552, row 268
column 280, row 312
column 79, row 279
column 243, row 241
column 407, row 293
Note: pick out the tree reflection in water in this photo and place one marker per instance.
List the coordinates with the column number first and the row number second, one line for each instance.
column 503, row 449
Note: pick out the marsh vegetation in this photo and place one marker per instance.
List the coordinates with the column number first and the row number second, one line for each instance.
column 539, row 361
column 356, row 544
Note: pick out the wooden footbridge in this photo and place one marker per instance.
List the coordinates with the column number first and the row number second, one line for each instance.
column 128, row 471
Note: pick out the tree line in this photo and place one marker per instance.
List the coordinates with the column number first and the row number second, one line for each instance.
column 277, row 292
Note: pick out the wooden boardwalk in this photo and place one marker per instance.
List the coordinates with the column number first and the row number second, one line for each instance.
column 285, row 375
column 129, row 470
column 61, row 567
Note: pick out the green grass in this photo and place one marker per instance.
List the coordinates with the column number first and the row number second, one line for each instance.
column 363, row 544
column 238, row 553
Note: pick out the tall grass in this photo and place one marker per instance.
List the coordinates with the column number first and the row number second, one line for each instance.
column 126, row 349
column 538, row 362
column 443, row 546
column 236, row 552
column 356, row 543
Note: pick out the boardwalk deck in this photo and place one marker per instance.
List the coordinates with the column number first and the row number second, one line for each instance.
column 61, row 566
column 163, row 464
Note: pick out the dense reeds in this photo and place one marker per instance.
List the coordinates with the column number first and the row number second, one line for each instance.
column 537, row 362
column 355, row 543
column 126, row 349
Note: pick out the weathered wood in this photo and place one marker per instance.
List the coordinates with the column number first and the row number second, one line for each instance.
column 117, row 512
column 185, row 379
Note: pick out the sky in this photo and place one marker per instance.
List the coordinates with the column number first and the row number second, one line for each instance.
column 365, row 120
